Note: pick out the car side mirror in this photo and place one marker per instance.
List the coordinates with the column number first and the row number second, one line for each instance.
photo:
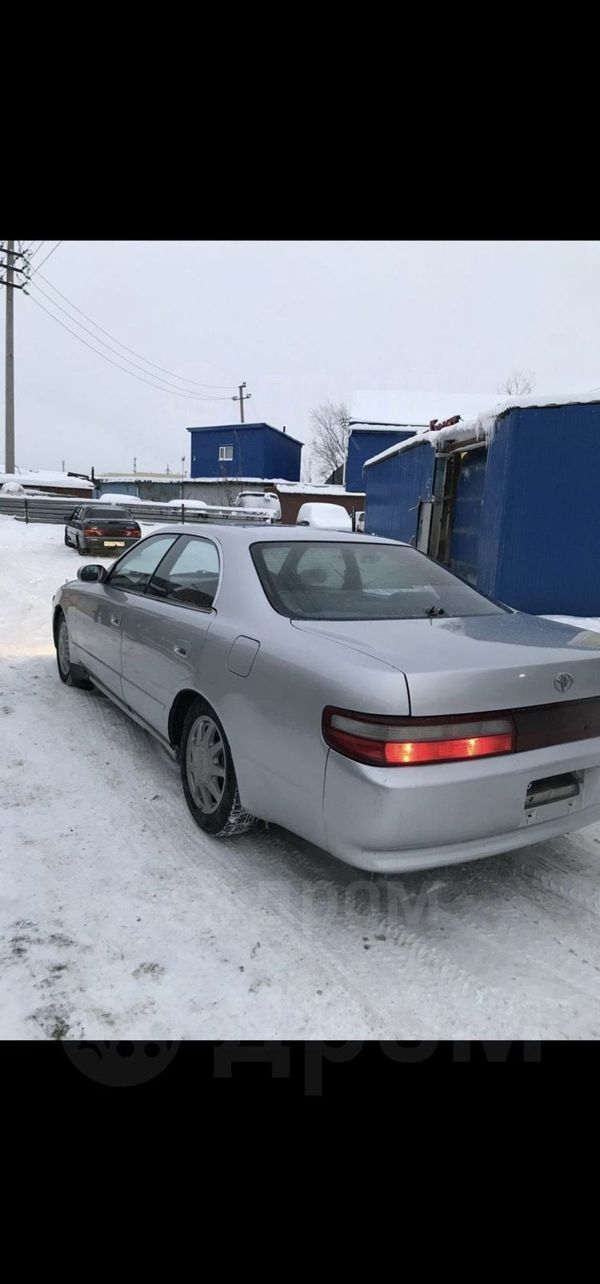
column 92, row 573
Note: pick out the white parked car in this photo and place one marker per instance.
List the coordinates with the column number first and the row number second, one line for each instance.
column 12, row 488
column 260, row 501
column 324, row 517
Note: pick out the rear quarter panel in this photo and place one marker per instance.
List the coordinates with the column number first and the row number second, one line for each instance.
column 273, row 716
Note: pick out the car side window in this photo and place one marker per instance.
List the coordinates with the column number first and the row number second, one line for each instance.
column 133, row 571
column 189, row 575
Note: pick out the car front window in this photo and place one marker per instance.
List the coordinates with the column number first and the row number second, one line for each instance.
column 189, row 575
column 133, row 571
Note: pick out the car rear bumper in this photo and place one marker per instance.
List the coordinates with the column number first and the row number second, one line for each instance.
column 394, row 819
column 100, row 548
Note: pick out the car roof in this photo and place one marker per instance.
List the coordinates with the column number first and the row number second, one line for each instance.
column 251, row 533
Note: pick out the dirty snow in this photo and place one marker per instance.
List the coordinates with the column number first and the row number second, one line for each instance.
column 119, row 918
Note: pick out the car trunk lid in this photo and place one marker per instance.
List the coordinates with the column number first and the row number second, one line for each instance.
column 112, row 527
column 477, row 663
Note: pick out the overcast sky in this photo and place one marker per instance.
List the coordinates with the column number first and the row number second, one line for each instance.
column 300, row 321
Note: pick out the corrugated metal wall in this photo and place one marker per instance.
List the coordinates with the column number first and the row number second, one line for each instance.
column 115, row 488
column 394, row 488
column 540, row 542
column 363, row 443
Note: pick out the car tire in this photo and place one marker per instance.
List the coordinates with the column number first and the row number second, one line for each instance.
column 82, row 551
column 67, row 540
column 71, row 674
column 208, row 775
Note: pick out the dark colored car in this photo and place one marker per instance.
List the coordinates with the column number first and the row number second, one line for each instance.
column 107, row 531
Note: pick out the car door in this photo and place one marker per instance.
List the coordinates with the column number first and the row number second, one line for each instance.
column 165, row 628
column 71, row 526
column 101, row 612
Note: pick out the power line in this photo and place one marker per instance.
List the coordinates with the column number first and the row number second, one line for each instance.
column 189, row 395
column 182, row 378
column 167, row 382
column 47, row 257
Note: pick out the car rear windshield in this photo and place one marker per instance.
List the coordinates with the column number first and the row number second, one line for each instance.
column 117, row 514
column 355, row 581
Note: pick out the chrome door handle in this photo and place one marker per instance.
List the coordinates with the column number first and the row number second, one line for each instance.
column 115, row 619
column 182, row 649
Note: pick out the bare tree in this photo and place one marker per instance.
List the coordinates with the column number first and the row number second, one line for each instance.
column 331, row 428
column 518, row 382
column 306, row 474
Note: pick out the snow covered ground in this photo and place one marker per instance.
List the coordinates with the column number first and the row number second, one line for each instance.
column 120, row 919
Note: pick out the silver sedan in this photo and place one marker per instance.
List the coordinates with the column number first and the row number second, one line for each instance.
column 345, row 687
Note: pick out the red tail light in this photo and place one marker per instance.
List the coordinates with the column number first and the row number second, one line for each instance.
column 411, row 742
column 99, row 532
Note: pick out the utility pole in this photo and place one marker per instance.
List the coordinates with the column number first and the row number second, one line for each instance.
column 242, row 398
column 21, row 270
column 9, row 440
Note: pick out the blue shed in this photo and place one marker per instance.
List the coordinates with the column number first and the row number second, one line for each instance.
column 517, row 513
column 245, row 451
column 363, row 443
column 395, row 487
column 539, row 542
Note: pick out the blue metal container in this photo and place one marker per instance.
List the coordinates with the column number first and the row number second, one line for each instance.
column 395, row 488
column 363, row 443
column 519, row 517
column 245, row 451
column 539, row 547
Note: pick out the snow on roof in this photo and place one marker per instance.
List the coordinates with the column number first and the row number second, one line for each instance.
column 33, row 477
column 313, row 488
column 175, row 479
column 400, row 409
column 481, row 425
column 108, row 478
column 243, row 428
column 113, row 497
column 422, row 436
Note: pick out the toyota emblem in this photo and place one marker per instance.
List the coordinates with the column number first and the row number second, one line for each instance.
column 563, row 681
